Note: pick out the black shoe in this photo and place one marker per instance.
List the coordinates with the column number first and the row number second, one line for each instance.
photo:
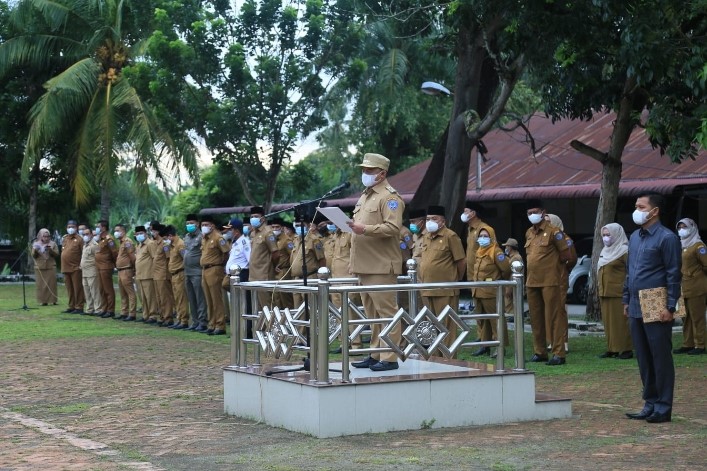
column 681, row 350
column 44, row 304
column 180, row 326
column 78, row 311
column 609, row 355
column 365, row 363
column 384, row 366
column 150, row 321
column 335, row 352
column 555, row 360
column 200, row 329
column 106, row 315
column 120, row 318
column 481, row 351
column 218, row 332
column 537, row 358
column 208, row 331
column 639, row 415
column 191, row 327
column 696, row 351
column 658, row 418
column 128, row 319
column 627, row 355
column 67, row 311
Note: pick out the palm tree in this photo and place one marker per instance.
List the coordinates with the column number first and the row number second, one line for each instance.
column 90, row 103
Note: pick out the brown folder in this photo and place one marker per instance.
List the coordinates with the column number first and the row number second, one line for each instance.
column 654, row 300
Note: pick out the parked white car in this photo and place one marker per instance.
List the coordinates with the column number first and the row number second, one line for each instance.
column 579, row 280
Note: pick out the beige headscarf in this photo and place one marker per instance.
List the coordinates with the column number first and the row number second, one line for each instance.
column 618, row 247
column 556, row 221
column 43, row 232
column 693, row 237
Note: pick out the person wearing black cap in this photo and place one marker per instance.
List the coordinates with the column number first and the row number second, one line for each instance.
column 177, row 278
column 472, row 217
column 125, row 264
column 546, row 249
column 214, row 253
column 160, row 275
column 105, row 264
column 313, row 256
column 264, row 254
column 71, row 250
column 144, row 254
column 443, row 259
column 192, row 274
column 282, row 270
column 375, row 253
column 417, row 227
column 510, row 247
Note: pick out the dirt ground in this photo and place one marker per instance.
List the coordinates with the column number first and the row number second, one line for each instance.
column 149, row 403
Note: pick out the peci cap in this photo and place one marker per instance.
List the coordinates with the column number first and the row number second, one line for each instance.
column 140, row 229
column 257, row 210
column 191, row 217
column 164, row 230
column 511, row 243
column 435, row 211
column 71, row 222
column 375, row 161
column 534, row 203
column 417, row 214
column 208, row 218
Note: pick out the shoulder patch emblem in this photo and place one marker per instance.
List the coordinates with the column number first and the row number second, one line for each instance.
column 318, row 246
column 222, row 242
column 271, row 238
column 501, row 257
column 111, row 243
column 182, row 252
column 406, row 238
column 569, row 243
column 403, row 246
column 165, row 249
column 392, row 204
column 128, row 245
column 290, row 245
column 559, row 236
column 702, row 250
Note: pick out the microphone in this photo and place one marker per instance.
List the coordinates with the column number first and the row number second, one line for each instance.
column 337, row 189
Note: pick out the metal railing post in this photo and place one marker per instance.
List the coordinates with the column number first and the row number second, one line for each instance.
column 322, row 331
column 500, row 323
column 235, row 320
column 518, row 268
column 254, row 302
column 345, row 337
column 412, row 294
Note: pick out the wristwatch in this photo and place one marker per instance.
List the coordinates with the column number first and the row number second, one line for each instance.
column 671, row 309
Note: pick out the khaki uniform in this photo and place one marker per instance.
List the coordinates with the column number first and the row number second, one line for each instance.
column 442, row 250
column 163, row 285
column 214, row 250
column 176, row 271
column 376, row 257
column 90, row 283
column 261, row 267
column 313, row 256
column 45, row 272
column 71, row 249
column 418, row 243
column 543, row 247
column 610, row 288
column 491, row 267
column 105, row 263
column 340, row 266
column 694, row 291
column 125, row 264
column 282, row 271
column 509, row 307
column 144, row 254
column 329, row 249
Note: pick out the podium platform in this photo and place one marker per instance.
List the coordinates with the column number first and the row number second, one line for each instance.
column 435, row 393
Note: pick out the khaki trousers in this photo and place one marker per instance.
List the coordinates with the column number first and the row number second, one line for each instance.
column 128, row 301
column 105, row 279
column 149, row 302
column 74, row 288
column 693, row 326
column 165, row 302
column 488, row 306
column 618, row 336
column 92, row 292
column 211, row 279
column 546, row 319
column 378, row 305
column 179, row 292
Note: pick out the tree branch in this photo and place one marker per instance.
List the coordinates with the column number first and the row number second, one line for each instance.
column 589, row 151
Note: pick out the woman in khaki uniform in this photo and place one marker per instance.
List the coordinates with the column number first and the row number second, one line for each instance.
column 611, row 275
column 490, row 264
column 44, row 252
column 694, row 287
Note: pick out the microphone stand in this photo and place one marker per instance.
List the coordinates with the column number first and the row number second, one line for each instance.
column 301, row 217
column 22, row 277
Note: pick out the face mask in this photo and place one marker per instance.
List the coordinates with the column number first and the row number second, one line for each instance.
column 606, row 240
column 535, row 218
column 277, row 233
column 331, row 227
column 414, row 229
column 255, row 222
column 298, row 230
column 484, row 241
column 95, row 238
column 431, row 226
column 97, row 231
column 507, row 252
column 465, row 217
column 155, row 235
column 140, row 238
column 86, row 239
column 191, row 228
column 683, row 233
column 368, row 180
column 246, row 230
column 71, row 230
column 117, row 234
column 167, row 242
column 227, row 235
column 206, row 230
column 640, row 217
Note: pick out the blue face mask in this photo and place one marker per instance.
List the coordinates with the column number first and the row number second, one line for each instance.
column 246, row 230
column 414, row 229
column 255, row 222
column 191, row 228
column 298, row 230
column 140, row 238
column 484, row 241
column 331, row 227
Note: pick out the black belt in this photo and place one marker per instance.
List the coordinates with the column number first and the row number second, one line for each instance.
column 206, row 267
column 124, row 268
column 178, row 271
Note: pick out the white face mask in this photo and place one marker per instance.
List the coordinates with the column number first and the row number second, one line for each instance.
column 535, row 218
column 86, row 238
column 431, row 226
column 277, row 233
column 95, row 238
column 206, row 230
column 465, row 217
column 117, row 234
column 368, row 180
column 607, row 240
column 228, row 235
column 71, row 230
column 640, row 217
column 167, row 242
column 684, row 233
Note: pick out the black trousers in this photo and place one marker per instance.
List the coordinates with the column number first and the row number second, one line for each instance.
column 653, row 342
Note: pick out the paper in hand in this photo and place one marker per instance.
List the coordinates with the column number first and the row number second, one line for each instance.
column 337, row 216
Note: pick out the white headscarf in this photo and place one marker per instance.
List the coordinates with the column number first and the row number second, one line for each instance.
column 693, row 237
column 556, row 221
column 618, row 247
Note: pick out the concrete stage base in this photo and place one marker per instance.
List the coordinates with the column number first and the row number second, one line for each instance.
column 421, row 394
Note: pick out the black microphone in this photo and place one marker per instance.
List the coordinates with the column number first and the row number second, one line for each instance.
column 337, row 189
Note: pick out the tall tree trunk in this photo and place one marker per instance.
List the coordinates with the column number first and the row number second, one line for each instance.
column 432, row 180
column 105, row 203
